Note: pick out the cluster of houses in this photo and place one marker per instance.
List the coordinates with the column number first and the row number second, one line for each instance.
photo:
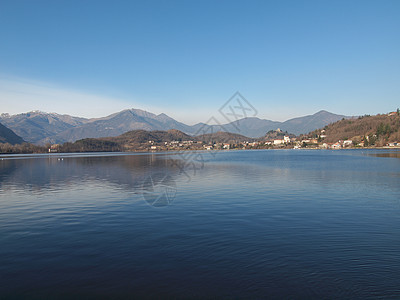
column 395, row 144
column 339, row 145
column 305, row 142
column 54, row 148
column 172, row 144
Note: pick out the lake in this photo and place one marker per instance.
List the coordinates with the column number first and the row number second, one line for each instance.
column 299, row 224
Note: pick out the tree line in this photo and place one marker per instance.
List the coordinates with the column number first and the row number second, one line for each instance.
column 25, row 148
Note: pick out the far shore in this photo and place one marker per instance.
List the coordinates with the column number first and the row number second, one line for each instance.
column 4, row 155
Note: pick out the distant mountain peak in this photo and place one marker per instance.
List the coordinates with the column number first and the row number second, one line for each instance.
column 40, row 112
column 250, row 118
column 142, row 113
column 323, row 112
column 164, row 117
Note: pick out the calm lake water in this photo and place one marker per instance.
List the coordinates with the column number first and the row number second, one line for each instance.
column 237, row 224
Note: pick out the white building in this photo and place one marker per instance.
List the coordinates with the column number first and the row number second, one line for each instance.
column 347, row 143
column 324, row 146
column 279, row 142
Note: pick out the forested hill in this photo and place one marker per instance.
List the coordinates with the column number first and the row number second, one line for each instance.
column 373, row 130
column 132, row 140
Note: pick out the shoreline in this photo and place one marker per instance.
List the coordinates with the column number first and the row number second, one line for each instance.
column 55, row 154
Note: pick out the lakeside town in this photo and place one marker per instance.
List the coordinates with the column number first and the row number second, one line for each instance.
column 286, row 142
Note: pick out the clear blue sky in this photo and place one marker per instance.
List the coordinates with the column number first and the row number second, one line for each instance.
column 186, row 58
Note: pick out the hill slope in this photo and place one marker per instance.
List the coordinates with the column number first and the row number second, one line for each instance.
column 8, row 136
column 157, row 136
column 223, row 137
column 311, row 122
column 129, row 140
column 379, row 129
column 142, row 140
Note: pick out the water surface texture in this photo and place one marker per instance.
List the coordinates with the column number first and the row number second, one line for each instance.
column 237, row 224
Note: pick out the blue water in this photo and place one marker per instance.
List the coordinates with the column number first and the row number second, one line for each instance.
column 298, row 224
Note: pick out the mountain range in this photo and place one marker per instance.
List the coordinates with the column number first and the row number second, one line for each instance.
column 40, row 127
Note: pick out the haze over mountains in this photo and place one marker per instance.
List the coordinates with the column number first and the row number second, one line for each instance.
column 41, row 128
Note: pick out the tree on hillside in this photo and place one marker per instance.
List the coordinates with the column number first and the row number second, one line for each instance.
column 383, row 129
column 371, row 139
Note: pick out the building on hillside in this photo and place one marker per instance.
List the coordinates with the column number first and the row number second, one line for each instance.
column 279, row 142
column 54, row 148
column 324, row 146
column 286, row 139
column 310, row 141
column 347, row 143
column 336, row 146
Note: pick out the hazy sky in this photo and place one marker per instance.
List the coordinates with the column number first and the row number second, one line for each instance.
column 186, row 58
